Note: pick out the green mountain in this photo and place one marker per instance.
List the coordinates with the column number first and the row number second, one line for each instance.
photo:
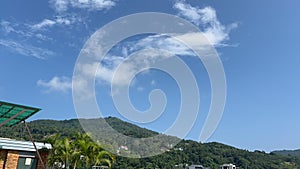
column 186, row 152
column 295, row 153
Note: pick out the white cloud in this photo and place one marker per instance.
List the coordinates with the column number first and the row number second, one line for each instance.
column 126, row 67
column 22, row 31
column 59, row 20
column 63, row 5
column 60, row 84
column 63, row 21
column 23, row 35
column 206, row 19
column 116, row 70
column 43, row 24
column 199, row 16
column 214, row 34
column 6, row 26
column 25, row 49
column 188, row 11
column 106, row 72
column 60, row 5
column 9, row 28
column 120, row 71
column 43, row 37
column 93, row 4
column 164, row 42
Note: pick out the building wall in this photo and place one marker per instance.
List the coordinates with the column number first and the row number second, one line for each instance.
column 2, row 158
column 12, row 159
column 9, row 159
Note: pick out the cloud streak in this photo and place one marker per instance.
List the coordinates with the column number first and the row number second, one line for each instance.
column 63, row 20
column 43, row 24
column 59, row 84
column 21, row 30
column 25, row 49
column 94, row 5
column 23, row 35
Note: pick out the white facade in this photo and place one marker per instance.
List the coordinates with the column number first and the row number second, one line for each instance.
column 196, row 167
column 228, row 166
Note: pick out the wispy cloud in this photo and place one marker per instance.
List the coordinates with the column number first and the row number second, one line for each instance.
column 213, row 34
column 106, row 71
column 60, row 84
column 25, row 49
column 43, row 24
column 60, row 5
column 64, row 20
column 6, row 27
column 64, row 5
column 21, row 30
column 17, row 38
column 206, row 19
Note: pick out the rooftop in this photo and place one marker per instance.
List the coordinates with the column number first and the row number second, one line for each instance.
column 11, row 144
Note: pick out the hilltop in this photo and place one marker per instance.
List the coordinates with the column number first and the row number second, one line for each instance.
column 186, row 152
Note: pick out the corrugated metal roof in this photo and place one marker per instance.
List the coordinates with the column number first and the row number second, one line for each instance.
column 11, row 144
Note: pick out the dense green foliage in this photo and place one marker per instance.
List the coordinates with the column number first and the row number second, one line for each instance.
column 186, row 152
column 295, row 153
column 211, row 155
column 80, row 152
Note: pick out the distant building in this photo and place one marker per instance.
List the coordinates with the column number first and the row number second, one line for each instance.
column 196, row 167
column 16, row 154
column 124, row 148
column 228, row 166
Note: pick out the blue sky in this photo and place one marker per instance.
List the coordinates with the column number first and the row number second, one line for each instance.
column 257, row 41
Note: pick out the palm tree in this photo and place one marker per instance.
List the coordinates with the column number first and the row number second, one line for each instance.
column 82, row 144
column 92, row 152
column 81, row 151
column 104, row 158
column 62, row 153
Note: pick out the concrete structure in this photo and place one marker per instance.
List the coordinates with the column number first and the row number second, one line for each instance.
column 228, row 166
column 16, row 154
column 196, row 167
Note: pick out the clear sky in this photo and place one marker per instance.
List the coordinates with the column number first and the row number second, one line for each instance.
column 257, row 41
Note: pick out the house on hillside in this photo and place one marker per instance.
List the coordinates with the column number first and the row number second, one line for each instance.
column 228, row 166
column 196, row 167
column 16, row 154
column 186, row 166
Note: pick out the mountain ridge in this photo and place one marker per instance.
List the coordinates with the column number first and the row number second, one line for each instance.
column 295, row 153
column 189, row 152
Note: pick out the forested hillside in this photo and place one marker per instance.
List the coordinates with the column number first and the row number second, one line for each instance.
column 186, row 152
column 288, row 152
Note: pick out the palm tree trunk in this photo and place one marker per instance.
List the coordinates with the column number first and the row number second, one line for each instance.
column 75, row 164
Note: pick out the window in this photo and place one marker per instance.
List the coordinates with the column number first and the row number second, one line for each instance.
column 28, row 161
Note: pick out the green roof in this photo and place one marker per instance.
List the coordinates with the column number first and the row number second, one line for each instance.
column 11, row 114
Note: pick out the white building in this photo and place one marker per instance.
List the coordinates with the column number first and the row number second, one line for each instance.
column 228, row 166
column 196, row 167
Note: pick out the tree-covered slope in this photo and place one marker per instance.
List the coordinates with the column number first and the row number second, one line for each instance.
column 288, row 152
column 41, row 129
column 186, row 152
